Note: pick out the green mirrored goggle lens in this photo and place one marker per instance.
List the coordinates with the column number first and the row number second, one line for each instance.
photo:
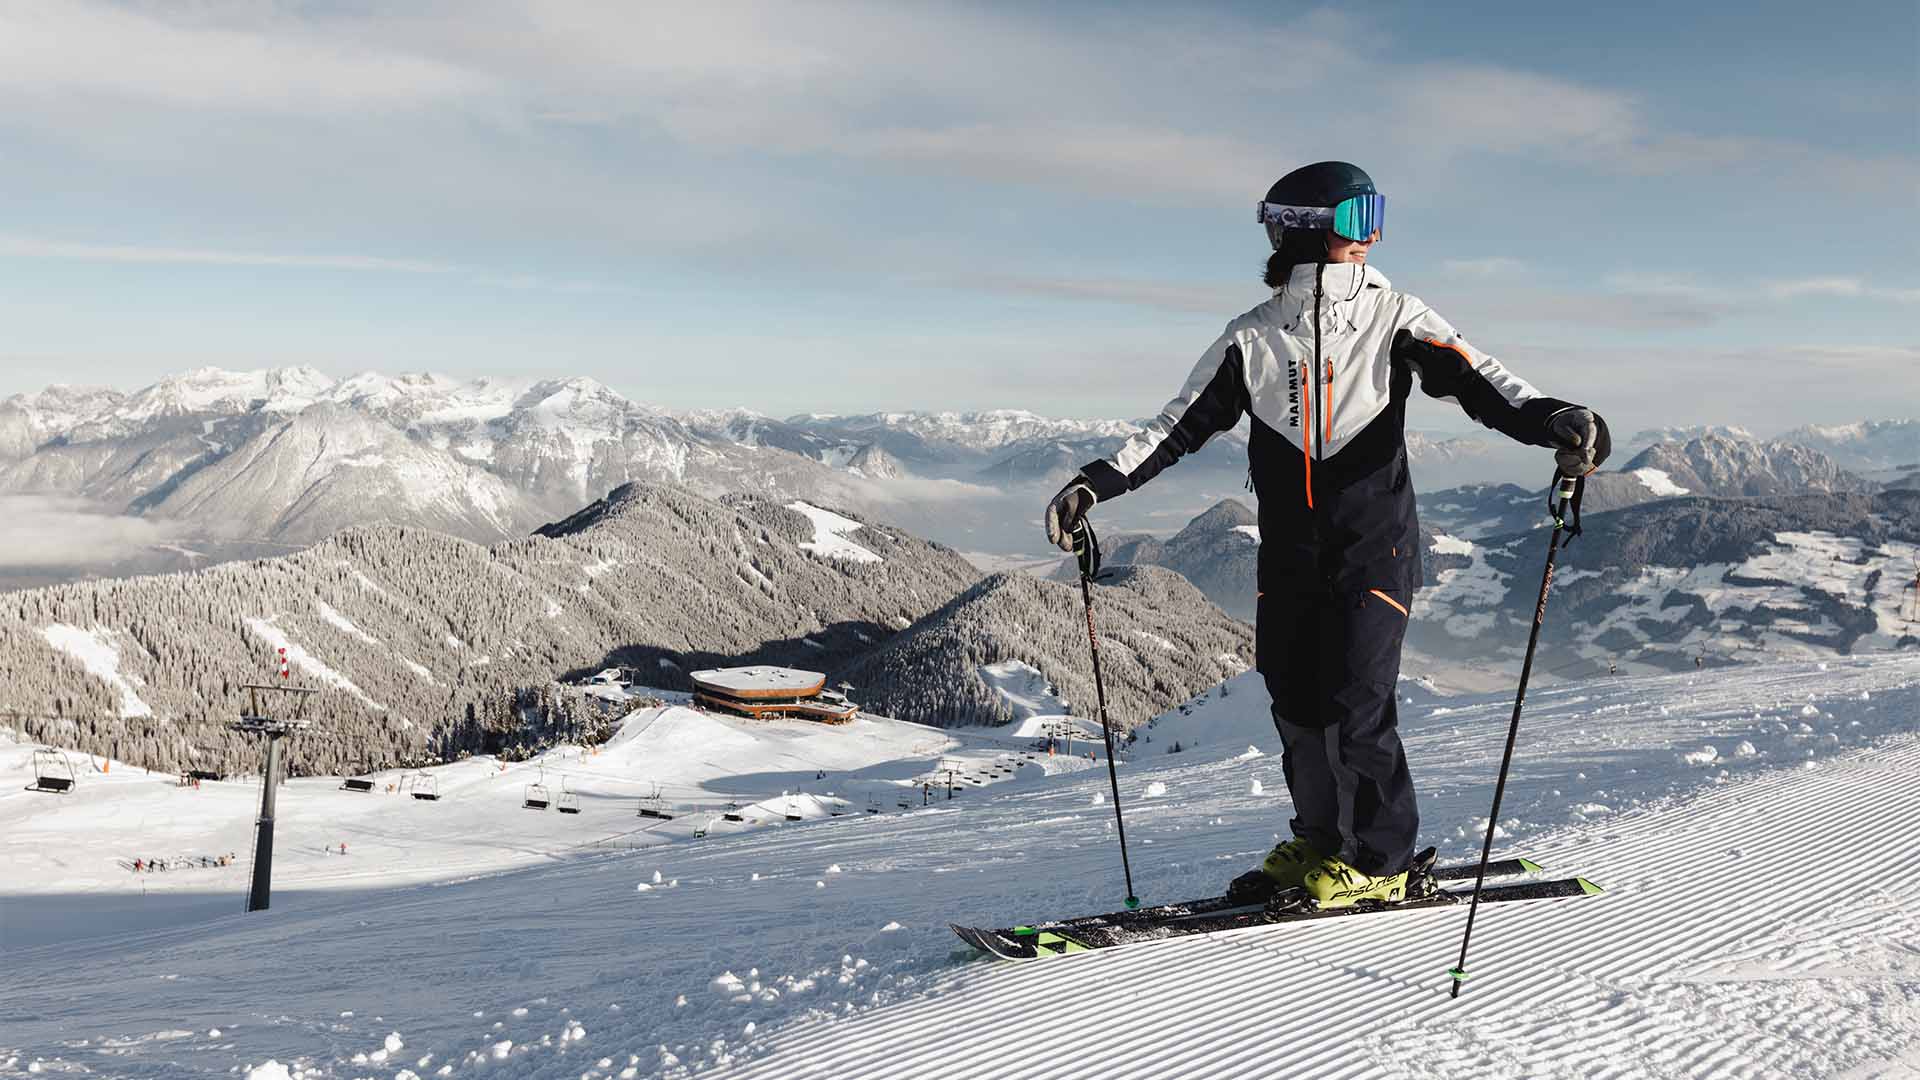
column 1360, row 217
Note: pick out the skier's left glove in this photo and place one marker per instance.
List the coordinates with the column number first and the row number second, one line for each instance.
column 1066, row 510
column 1580, row 440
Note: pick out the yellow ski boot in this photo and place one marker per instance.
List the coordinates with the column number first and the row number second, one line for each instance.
column 1334, row 884
column 1284, row 868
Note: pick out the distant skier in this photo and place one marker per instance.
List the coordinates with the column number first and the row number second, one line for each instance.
column 1324, row 369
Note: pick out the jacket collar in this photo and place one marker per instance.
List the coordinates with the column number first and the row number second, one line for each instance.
column 1341, row 281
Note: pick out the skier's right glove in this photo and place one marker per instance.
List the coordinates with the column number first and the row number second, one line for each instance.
column 1066, row 510
column 1580, row 438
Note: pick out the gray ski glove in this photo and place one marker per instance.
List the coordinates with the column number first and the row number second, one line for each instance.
column 1580, row 439
column 1066, row 510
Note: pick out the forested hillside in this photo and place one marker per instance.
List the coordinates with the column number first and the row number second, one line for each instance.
column 1161, row 643
column 424, row 643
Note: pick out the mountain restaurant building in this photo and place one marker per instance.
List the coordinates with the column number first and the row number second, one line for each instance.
column 761, row 692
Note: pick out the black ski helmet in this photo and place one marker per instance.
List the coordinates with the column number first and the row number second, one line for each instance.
column 1323, row 183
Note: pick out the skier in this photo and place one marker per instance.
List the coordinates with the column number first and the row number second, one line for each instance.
column 1324, row 369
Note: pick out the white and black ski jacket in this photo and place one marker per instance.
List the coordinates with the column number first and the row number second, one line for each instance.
column 1317, row 369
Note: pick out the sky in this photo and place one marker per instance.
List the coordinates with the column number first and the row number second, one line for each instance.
column 1675, row 213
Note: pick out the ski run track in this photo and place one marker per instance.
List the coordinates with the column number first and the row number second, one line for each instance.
column 1753, row 827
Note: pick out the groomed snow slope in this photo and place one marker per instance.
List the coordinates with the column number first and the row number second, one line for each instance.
column 701, row 764
column 1757, row 923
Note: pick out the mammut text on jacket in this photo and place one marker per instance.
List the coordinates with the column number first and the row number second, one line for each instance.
column 1324, row 369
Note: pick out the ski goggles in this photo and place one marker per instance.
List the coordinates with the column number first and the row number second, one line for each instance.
column 1357, row 218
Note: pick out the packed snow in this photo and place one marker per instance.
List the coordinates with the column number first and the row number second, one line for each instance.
column 820, row 947
column 830, row 532
column 1658, row 482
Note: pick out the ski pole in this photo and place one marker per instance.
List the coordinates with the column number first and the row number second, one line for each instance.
column 1086, row 547
column 1565, row 493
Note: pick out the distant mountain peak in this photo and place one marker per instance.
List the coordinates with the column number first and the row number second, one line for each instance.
column 1649, row 436
column 1225, row 514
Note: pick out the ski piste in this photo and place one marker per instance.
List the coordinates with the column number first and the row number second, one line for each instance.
column 1217, row 913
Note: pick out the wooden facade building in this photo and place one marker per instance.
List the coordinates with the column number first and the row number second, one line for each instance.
column 761, row 692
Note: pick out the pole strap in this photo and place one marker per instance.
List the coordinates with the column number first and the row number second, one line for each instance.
column 1564, row 495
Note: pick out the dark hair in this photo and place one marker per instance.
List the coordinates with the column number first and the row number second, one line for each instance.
column 1296, row 246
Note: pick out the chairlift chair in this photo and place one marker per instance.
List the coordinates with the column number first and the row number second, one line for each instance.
column 652, row 805
column 362, row 782
column 790, row 814
column 536, row 797
column 569, row 800
column 733, row 813
column 52, row 772
column 425, row 786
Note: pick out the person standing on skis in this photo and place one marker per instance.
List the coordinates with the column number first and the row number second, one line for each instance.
column 1324, row 369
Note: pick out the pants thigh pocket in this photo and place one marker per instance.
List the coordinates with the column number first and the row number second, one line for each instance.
column 1370, row 636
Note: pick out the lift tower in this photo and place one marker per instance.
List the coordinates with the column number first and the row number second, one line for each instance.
column 257, row 721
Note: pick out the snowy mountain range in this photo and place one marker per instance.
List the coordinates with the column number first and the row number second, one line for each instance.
column 291, row 455
column 1716, row 464
column 1649, row 587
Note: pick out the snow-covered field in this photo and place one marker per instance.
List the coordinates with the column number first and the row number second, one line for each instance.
column 701, row 767
column 1752, row 826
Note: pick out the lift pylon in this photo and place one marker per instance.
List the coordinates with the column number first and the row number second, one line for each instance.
column 259, row 721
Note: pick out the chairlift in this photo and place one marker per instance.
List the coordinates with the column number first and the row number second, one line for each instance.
column 569, row 800
column 425, row 786
column 52, row 772
column 700, row 830
column 536, row 797
column 733, row 813
column 791, row 815
column 873, row 804
column 652, row 805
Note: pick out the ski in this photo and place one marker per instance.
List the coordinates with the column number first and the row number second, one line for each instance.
column 1217, row 904
column 1083, row 935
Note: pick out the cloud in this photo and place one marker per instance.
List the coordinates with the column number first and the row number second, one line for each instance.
column 1184, row 297
column 41, row 531
column 33, row 248
column 1456, row 112
column 1842, row 286
column 1174, row 104
column 260, row 61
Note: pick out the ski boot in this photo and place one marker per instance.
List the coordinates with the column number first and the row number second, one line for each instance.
column 1335, row 884
column 1284, row 869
